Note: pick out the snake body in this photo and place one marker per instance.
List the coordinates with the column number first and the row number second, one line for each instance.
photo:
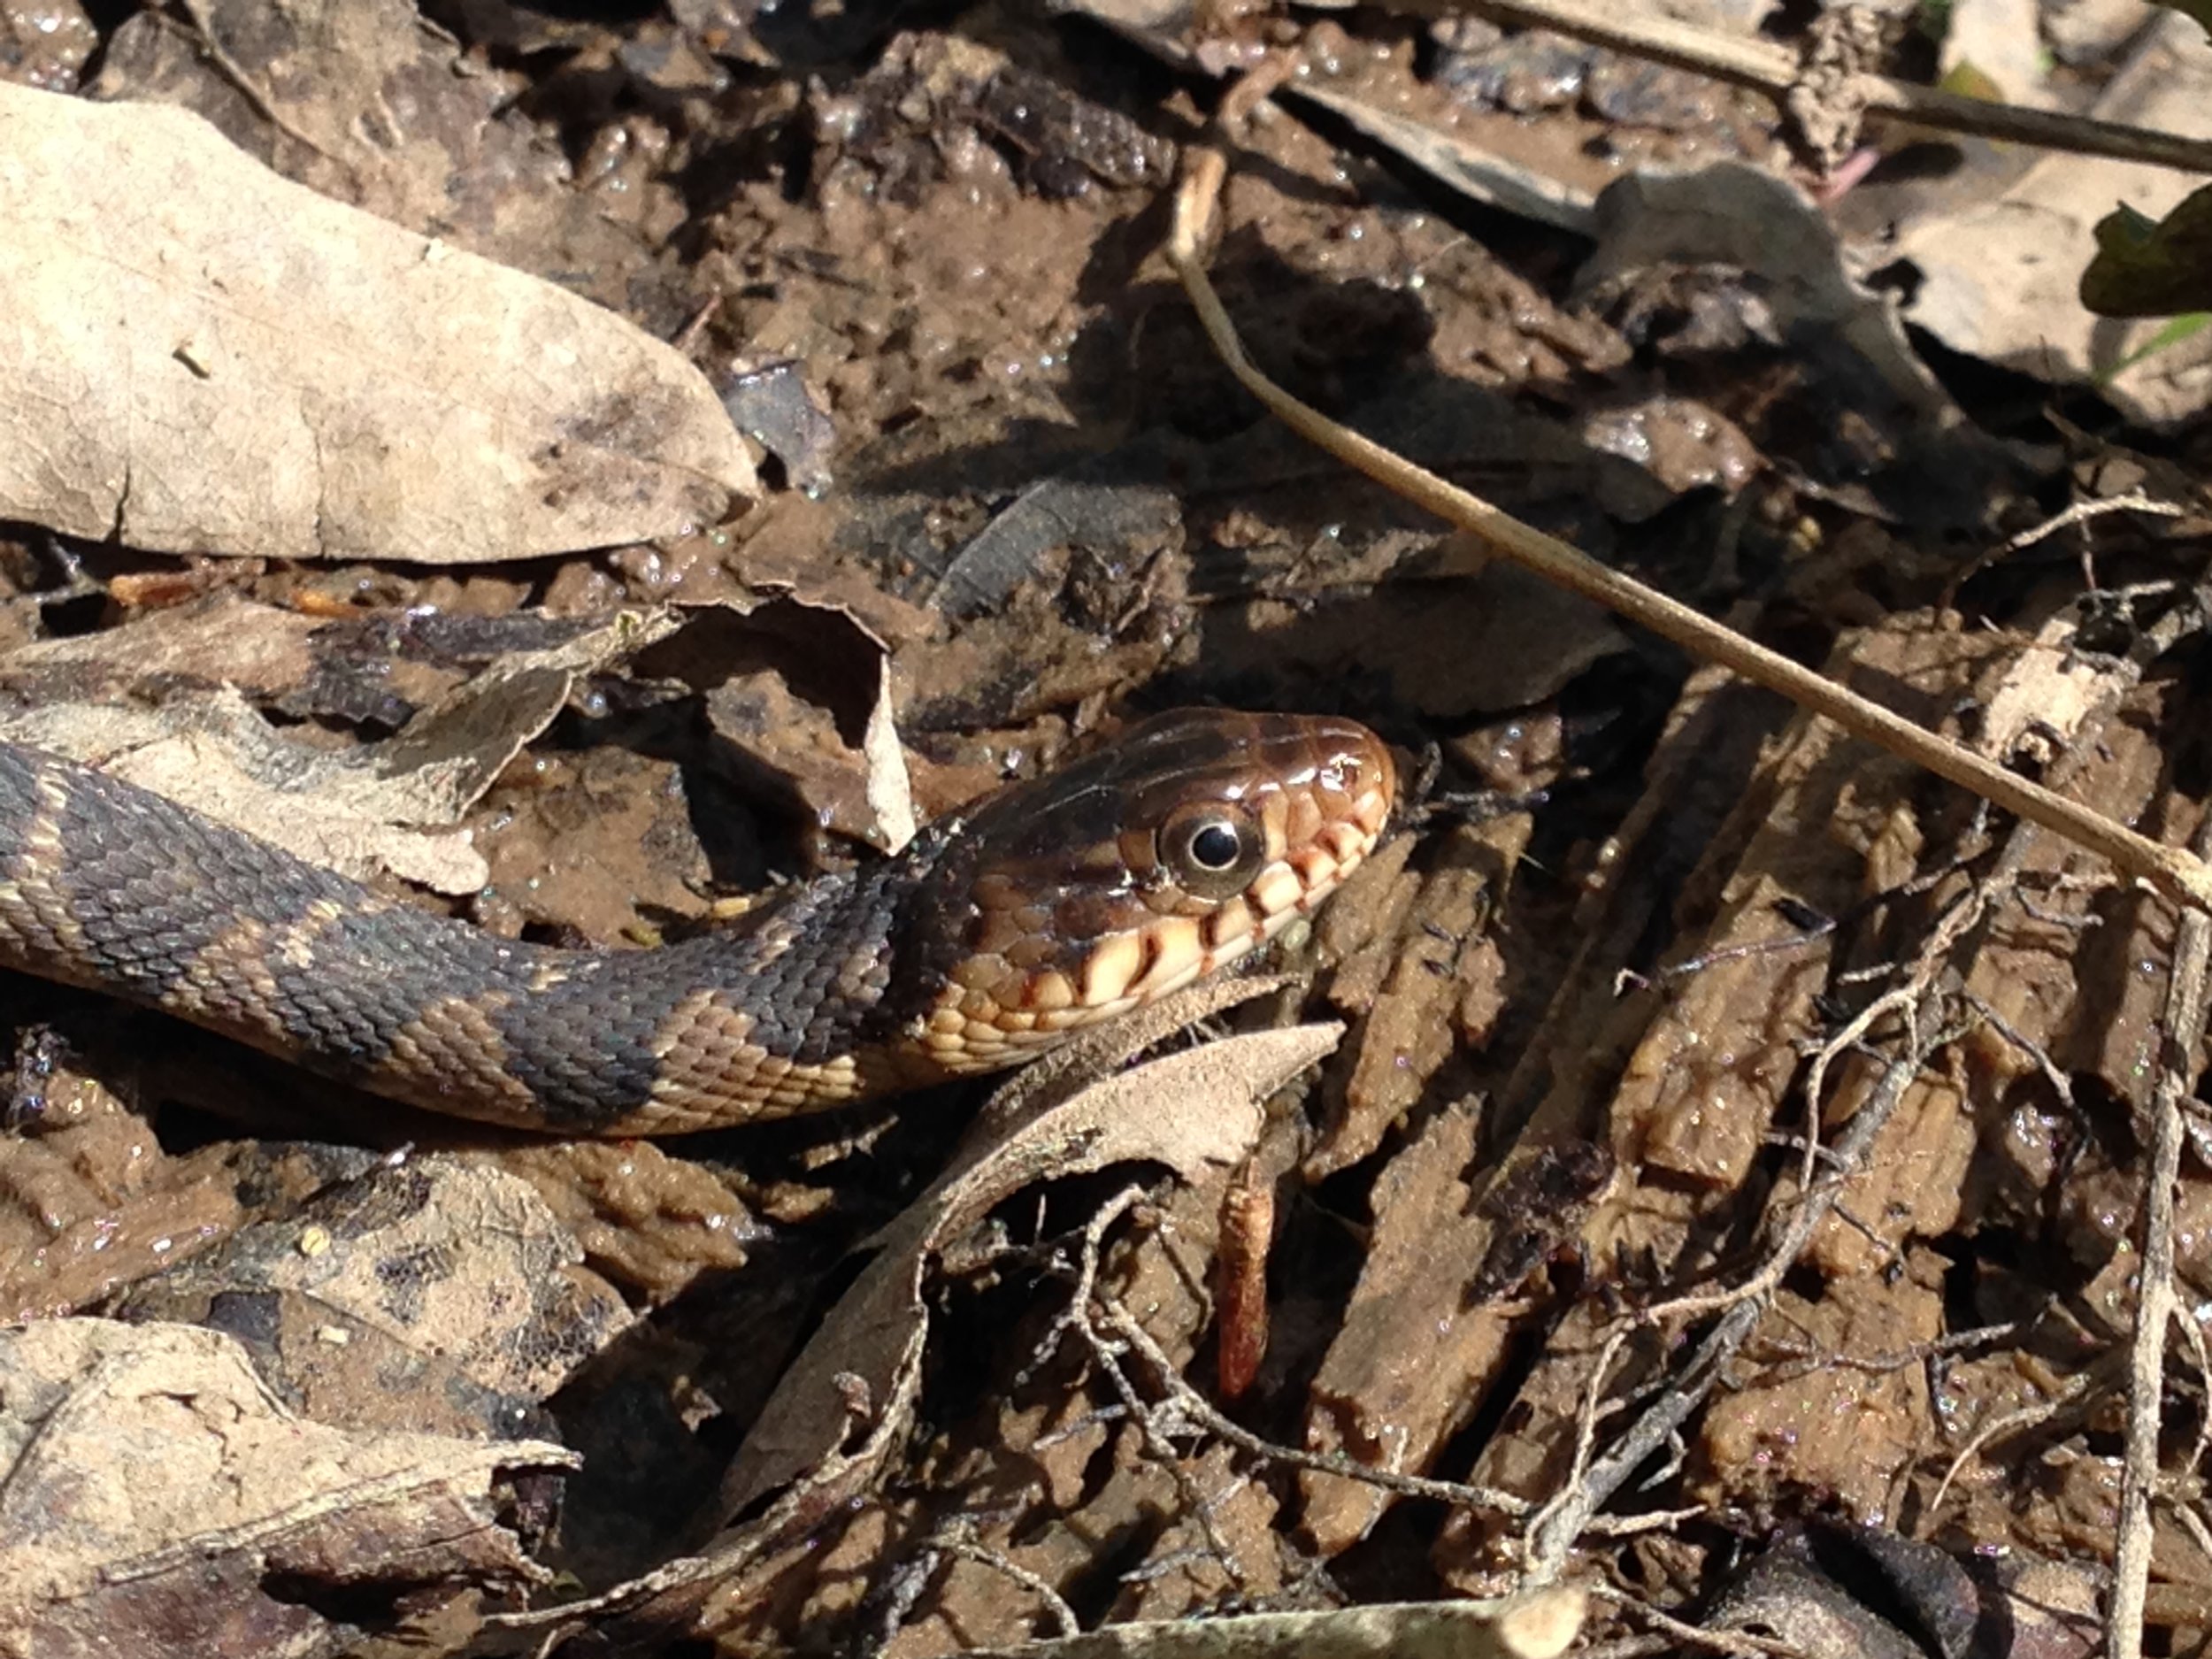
column 1051, row 904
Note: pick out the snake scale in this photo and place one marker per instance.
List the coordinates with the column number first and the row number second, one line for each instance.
column 1050, row 905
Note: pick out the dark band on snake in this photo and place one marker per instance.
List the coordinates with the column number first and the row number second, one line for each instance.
column 1048, row 906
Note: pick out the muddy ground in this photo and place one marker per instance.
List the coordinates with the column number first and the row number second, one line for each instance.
column 1528, row 1230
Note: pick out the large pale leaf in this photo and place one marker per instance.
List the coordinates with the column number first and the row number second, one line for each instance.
column 197, row 355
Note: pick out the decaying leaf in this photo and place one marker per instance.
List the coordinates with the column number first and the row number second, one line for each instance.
column 801, row 690
column 436, row 1292
column 1474, row 171
column 2198, row 9
column 359, row 101
column 378, row 807
column 1999, row 270
column 1733, row 215
column 204, row 357
column 156, row 1496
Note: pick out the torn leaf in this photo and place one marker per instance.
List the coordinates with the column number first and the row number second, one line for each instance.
column 156, row 1497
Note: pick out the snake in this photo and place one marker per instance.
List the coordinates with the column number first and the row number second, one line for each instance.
column 998, row 931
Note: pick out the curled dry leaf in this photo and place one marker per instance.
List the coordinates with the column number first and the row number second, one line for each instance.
column 359, row 811
column 205, row 357
column 1185, row 1110
column 153, row 1491
column 848, row 1400
column 801, row 690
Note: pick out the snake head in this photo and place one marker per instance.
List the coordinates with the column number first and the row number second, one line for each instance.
column 1186, row 844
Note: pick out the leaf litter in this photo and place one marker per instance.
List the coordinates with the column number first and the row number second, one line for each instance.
column 1567, row 1277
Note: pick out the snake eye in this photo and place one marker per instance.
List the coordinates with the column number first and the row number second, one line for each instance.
column 1215, row 846
column 1212, row 852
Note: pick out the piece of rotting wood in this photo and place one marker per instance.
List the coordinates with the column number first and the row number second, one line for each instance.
column 2174, row 871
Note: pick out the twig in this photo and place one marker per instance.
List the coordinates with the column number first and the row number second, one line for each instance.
column 2193, row 1335
column 1191, row 1411
column 1919, row 1002
column 2080, row 512
column 1063, row 1615
column 2193, row 1523
column 2154, row 1299
column 1198, row 1412
column 1772, row 68
column 1549, row 1544
column 2174, row 870
column 1156, row 1435
column 1813, row 1359
column 1587, row 1416
column 1740, row 1643
column 2071, row 1392
column 2061, row 1085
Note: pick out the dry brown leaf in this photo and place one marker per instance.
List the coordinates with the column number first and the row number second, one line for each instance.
column 1733, row 214
column 847, row 1400
column 801, row 690
column 358, row 811
column 205, row 357
column 358, row 100
column 440, row 1292
column 265, row 650
column 153, row 1491
column 1998, row 270
column 1185, row 1110
column 1480, row 175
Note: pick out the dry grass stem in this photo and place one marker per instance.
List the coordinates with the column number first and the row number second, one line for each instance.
column 2175, row 870
column 1773, row 68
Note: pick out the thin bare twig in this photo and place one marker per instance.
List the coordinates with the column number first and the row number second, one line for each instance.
column 1185, row 1409
column 2193, row 1523
column 1587, row 1416
column 2193, row 1335
column 1549, row 1544
column 1918, row 1000
column 1741, row 1644
column 2061, row 1085
column 1772, row 68
column 1158, row 1434
column 2155, row 1300
column 2080, row 512
column 2070, row 1393
column 967, row 1549
column 1196, row 1413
